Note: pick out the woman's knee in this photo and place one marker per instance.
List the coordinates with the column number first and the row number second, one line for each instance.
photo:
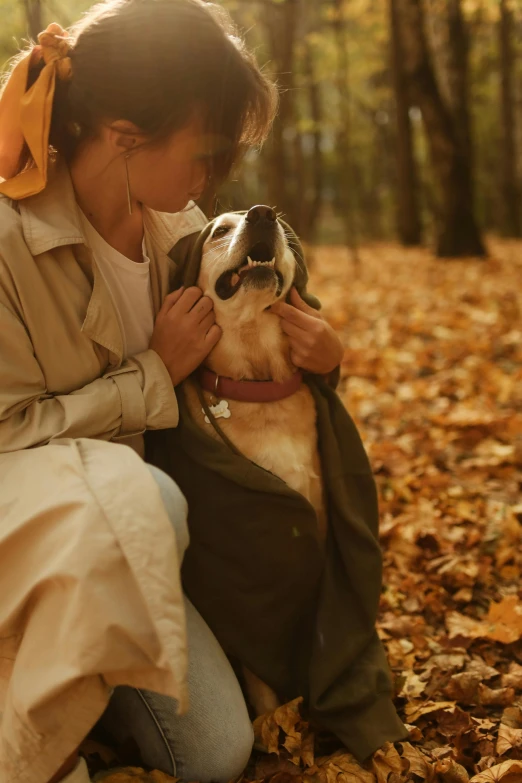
column 231, row 749
column 232, row 758
column 213, row 740
column 212, row 745
column 175, row 505
column 195, row 746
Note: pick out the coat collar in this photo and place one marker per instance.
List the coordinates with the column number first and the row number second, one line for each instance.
column 51, row 218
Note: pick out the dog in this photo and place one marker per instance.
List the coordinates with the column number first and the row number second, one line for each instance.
column 247, row 265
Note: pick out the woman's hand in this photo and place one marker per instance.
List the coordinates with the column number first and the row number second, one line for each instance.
column 314, row 344
column 185, row 332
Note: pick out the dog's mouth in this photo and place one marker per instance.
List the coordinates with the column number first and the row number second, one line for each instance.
column 257, row 270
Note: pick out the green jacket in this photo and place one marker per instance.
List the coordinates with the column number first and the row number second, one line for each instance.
column 299, row 615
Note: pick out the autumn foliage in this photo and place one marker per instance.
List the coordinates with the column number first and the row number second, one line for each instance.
column 433, row 376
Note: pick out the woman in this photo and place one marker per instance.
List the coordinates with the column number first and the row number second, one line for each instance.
column 106, row 137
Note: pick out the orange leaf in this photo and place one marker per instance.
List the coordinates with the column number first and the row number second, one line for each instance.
column 506, row 619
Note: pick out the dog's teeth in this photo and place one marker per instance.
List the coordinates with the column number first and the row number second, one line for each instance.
column 250, row 262
column 272, row 263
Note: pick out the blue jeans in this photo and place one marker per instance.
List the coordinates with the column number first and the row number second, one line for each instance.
column 213, row 740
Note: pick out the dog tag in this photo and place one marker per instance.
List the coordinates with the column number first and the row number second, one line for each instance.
column 219, row 411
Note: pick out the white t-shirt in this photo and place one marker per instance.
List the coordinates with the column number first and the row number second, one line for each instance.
column 129, row 284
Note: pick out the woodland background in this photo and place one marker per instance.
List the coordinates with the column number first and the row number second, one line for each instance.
column 397, row 155
column 399, row 119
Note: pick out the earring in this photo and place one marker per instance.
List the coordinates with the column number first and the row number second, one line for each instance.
column 129, row 202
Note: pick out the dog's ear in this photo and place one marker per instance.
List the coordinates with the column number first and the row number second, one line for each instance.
column 301, row 271
column 186, row 254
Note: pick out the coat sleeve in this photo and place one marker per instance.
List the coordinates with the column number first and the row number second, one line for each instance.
column 138, row 395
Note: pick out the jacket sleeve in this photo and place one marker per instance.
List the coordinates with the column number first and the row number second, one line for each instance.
column 138, row 395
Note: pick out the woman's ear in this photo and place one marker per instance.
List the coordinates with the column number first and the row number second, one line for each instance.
column 123, row 135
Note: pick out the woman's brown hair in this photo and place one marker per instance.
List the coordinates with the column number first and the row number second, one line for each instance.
column 155, row 63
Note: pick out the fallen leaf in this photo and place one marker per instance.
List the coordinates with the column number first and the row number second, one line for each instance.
column 298, row 740
column 453, row 722
column 505, row 619
column 508, row 739
column 418, row 764
column 342, row 767
column 413, row 686
column 448, row 771
column 512, row 716
column 136, row 775
column 499, row 696
column 513, row 678
column 415, row 711
column 266, row 732
column 463, row 688
column 479, row 667
column 507, row 772
column 387, row 765
column 467, row 627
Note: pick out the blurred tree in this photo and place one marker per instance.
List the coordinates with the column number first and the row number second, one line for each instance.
column 458, row 75
column 512, row 223
column 457, row 231
column 348, row 191
column 349, row 179
column 408, row 205
column 280, row 21
column 315, row 97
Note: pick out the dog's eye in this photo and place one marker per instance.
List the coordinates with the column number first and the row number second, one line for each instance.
column 220, row 231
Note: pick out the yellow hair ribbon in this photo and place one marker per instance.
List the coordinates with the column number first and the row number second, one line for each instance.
column 25, row 115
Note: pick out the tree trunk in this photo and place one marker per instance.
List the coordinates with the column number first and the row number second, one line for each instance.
column 408, row 216
column 347, row 178
column 315, row 205
column 281, row 25
column 33, row 14
column 458, row 233
column 510, row 187
column 458, row 75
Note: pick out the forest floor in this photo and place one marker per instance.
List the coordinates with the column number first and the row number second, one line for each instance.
column 432, row 375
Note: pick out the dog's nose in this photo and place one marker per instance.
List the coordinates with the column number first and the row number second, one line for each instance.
column 261, row 213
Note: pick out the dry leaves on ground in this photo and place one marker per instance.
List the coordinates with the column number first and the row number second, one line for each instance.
column 432, row 374
column 134, row 775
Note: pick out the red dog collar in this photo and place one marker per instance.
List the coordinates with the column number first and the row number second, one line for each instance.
column 248, row 391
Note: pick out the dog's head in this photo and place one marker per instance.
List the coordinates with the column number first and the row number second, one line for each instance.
column 244, row 261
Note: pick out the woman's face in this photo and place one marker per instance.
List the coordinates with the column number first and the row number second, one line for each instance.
column 167, row 175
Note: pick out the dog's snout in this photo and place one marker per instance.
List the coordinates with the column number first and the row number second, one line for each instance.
column 260, row 212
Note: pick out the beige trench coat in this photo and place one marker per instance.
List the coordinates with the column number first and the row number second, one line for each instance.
column 89, row 580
